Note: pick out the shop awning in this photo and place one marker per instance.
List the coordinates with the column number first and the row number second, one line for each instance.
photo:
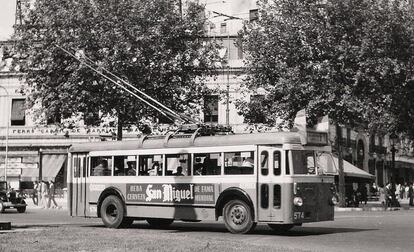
column 352, row 171
column 404, row 162
column 51, row 165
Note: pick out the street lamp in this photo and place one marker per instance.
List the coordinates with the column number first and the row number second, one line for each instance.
column 393, row 141
column 7, row 133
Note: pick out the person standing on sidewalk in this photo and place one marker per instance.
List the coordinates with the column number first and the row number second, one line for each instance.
column 44, row 191
column 35, row 193
column 411, row 193
column 387, row 195
column 52, row 195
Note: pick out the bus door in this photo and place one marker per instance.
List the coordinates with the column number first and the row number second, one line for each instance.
column 79, row 185
column 269, row 190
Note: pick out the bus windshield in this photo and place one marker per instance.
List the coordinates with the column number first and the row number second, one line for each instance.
column 311, row 162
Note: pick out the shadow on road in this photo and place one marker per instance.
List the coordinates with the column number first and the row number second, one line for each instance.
column 260, row 230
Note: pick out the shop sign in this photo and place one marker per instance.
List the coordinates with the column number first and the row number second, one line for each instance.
column 13, row 171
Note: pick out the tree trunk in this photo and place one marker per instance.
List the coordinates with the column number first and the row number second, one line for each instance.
column 341, row 174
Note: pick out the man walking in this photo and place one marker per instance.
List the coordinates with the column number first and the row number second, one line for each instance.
column 52, row 195
column 387, row 195
column 411, row 193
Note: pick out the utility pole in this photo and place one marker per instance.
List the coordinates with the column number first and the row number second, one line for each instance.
column 341, row 174
column 7, row 132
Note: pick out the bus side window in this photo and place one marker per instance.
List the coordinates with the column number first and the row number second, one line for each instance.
column 101, row 166
column 177, row 165
column 150, row 165
column 207, row 164
column 277, row 163
column 125, row 165
column 264, row 163
column 239, row 162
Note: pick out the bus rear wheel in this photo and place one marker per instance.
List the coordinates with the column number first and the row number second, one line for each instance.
column 238, row 217
column 113, row 213
column 280, row 228
column 160, row 223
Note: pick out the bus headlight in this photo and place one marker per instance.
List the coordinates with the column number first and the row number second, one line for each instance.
column 298, row 201
column 334, row 200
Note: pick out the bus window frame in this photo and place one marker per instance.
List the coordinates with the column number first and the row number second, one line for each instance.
column 221, row 153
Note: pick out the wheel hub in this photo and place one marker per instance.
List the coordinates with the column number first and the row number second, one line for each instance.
column 238, row 215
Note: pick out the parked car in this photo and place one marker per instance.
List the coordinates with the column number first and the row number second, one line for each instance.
column 9, row 198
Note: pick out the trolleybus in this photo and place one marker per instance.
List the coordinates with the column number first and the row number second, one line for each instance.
column 244, row 179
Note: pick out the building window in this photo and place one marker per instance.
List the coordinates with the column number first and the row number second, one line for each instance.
column 211, row 109
column 223, row 28
column 18, row 116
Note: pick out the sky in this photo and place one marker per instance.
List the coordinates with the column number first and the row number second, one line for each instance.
column 7, row 11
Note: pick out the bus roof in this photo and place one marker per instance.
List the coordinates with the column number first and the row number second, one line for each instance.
column 182, row 141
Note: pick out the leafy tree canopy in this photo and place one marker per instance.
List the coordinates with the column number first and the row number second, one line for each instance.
column 350, row 59
column 147, row 43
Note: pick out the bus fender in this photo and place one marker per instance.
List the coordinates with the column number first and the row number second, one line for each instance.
column 110, row 191
column 229, row 194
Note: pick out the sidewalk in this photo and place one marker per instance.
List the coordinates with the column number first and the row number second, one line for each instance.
column 62, row 203
column 376, row 206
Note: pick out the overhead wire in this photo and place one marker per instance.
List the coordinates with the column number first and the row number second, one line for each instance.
column 184, row 118
column 174, row 115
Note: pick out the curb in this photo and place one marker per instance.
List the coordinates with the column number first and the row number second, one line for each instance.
column 371, row 209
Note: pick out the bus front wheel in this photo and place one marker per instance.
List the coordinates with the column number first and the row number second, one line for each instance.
column 238, row 217
column 113, row 213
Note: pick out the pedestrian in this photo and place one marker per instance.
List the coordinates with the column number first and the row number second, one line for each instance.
column 397, row 190
column 381, row 197
column 411, row 194
column 407, row 188
column 51, row 196
column 35, row 193
column 402, row 190
column 363, row 194
column 387, row 195
column 44, row 191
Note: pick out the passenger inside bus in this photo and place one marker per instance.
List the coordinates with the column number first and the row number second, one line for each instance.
column 155, row 170
column 248, row 162
column 101, row 169
column 179, row 171
column 198, row 167
column 130, row 170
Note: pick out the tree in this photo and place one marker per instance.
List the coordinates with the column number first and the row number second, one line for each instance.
column 150, row 44
column 351, row 60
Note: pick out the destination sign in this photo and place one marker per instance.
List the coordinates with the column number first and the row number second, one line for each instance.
column 317, row 138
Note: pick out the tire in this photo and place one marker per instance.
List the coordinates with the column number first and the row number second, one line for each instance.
column 23, row 208
column 280, row 228
column 113, row 212
column 160, row 223
column 238, row 217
